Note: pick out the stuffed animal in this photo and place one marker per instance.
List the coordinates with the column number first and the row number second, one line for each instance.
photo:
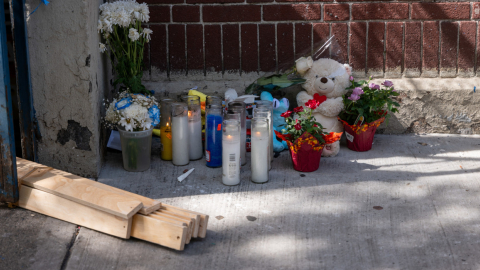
column 326, row 81
column 279, row 107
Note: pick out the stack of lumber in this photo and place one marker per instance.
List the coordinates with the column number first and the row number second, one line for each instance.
column 104, row 208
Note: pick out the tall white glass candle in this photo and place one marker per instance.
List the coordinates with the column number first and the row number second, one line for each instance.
column 268, row 105
column 231, row 152
column 240, row 107
column 180, row 153
column 260, row 150
column 265, row 113
column 195, row 145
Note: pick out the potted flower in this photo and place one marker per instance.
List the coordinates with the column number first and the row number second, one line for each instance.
column 305, row 137
column 134, row 115
column 366, row 106
column 120, row 23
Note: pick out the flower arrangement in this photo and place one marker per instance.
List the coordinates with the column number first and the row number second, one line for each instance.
column 134, row 112
column 120, row 23
column 368, row 101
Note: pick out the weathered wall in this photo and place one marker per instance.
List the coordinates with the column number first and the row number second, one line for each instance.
column 68, row 78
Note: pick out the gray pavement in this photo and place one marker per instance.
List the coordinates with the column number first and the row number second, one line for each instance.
column 427, row 188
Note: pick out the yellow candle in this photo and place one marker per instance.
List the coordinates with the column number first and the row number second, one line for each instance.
column 166, row 138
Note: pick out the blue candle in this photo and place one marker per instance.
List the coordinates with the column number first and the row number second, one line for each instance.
column 213, row 140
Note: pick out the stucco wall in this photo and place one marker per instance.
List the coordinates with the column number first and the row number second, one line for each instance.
column 68, row 78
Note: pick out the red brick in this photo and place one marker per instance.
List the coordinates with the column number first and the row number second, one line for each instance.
column 231, row 47
column 321, row 32
column 478, row 52
column 299, row 12
column 394, row 46
column 336, row 12
column 267, row 47
column 380, row 11
column 150, row 2
column 440, row 11
column 176, row 47
column 449, row 34
column 186, row 13
column 285, row 46
column 213, row 1
column 358, row 47
column 340, row 52
column 303, row 39
column 159, row 14
column 413, row 45
column 466, row 46
column 376, row 31
column 249, row 48
column 476, row 11
column 158, row 47
column 431, row 35
column 213, row 48
column 238, row 13
column 194, row 47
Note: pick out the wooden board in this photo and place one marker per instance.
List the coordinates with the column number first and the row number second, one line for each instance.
column 159, row 232
column 149, row 205
column 189, row 221
column 203, row 218
column 83, row 193
column 66, row 210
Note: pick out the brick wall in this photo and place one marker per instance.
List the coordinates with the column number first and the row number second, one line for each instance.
column 391, row 38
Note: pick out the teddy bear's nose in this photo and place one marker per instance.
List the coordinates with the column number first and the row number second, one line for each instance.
column 324, row 80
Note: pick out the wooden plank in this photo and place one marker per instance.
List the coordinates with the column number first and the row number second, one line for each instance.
column 149, row 205
column 189, row 221
column 158, row 232
column 54, row 206
column 190, row 217
column 203, row 218
column 46, row 180
column 172, row 221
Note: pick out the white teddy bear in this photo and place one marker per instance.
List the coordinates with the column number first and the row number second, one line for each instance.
column 325, row 77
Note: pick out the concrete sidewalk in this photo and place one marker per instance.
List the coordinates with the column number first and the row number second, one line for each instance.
column 427, row 189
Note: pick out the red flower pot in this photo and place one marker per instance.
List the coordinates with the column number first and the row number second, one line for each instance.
column 360, row 138
column 306, row 152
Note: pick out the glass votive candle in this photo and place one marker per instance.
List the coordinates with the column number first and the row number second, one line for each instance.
column 268, row 105
column 231, row 140
column 195, row 145
column 213, row 135
column 166, row 128
column 214, row 100
column 260, row 157
column 240, row 107
column 180, row 152
column 265, row 113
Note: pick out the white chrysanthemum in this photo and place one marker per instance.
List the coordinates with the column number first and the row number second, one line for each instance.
column 100, row 26
column 111, row 114
column 122, row 18
column 128, row 124
column 107, row 26
column 146, row 33
column 133, row 34
column 106, row 35
column 102, row 47
column 135, row 111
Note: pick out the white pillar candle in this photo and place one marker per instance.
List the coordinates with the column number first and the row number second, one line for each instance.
column 231, row 153
column 195, row 139
column 265, row 114
column 240, row 107
column 268, row 105
column 260, row 150
column 180, row 153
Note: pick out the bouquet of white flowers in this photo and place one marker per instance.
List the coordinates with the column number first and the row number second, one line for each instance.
column 134, row 112
column 121, row 25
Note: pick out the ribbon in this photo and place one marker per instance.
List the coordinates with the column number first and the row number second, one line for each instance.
column 45, row 2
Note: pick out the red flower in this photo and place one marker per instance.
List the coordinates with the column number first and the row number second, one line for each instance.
column 315, row 125
column 286, row 114
column 298, row 126
column 312, row 104
column 298, row 109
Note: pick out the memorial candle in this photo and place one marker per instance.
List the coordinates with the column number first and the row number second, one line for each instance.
column 240, row 107
column 166, row 128
column 265, row 113
column 268, row 105
column 260, row 150
column 231, row 152
column 213, row 135
column 195, row 145
column 180, row 153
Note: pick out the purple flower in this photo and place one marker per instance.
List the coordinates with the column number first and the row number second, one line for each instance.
column 374, row 86
column 387, row 83
column 393, row 89
column 351, row 78
column 357, row 91
column 354, row 97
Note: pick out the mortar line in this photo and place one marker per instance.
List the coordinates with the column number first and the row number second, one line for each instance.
column 439, row 49
column 221, row 49
column 366, row 50
column 258, row 48
column 458, row 49
column 276, row 49
column 475, row 61
column 421, row 48
column 186, row 48
column 385, row 50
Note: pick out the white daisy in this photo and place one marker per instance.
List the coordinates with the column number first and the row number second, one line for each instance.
column 133, row 34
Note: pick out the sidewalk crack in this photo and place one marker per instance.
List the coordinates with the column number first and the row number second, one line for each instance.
column 69, row 248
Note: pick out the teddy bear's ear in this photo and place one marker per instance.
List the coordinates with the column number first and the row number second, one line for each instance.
column 303, row 65
column 348, row 68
